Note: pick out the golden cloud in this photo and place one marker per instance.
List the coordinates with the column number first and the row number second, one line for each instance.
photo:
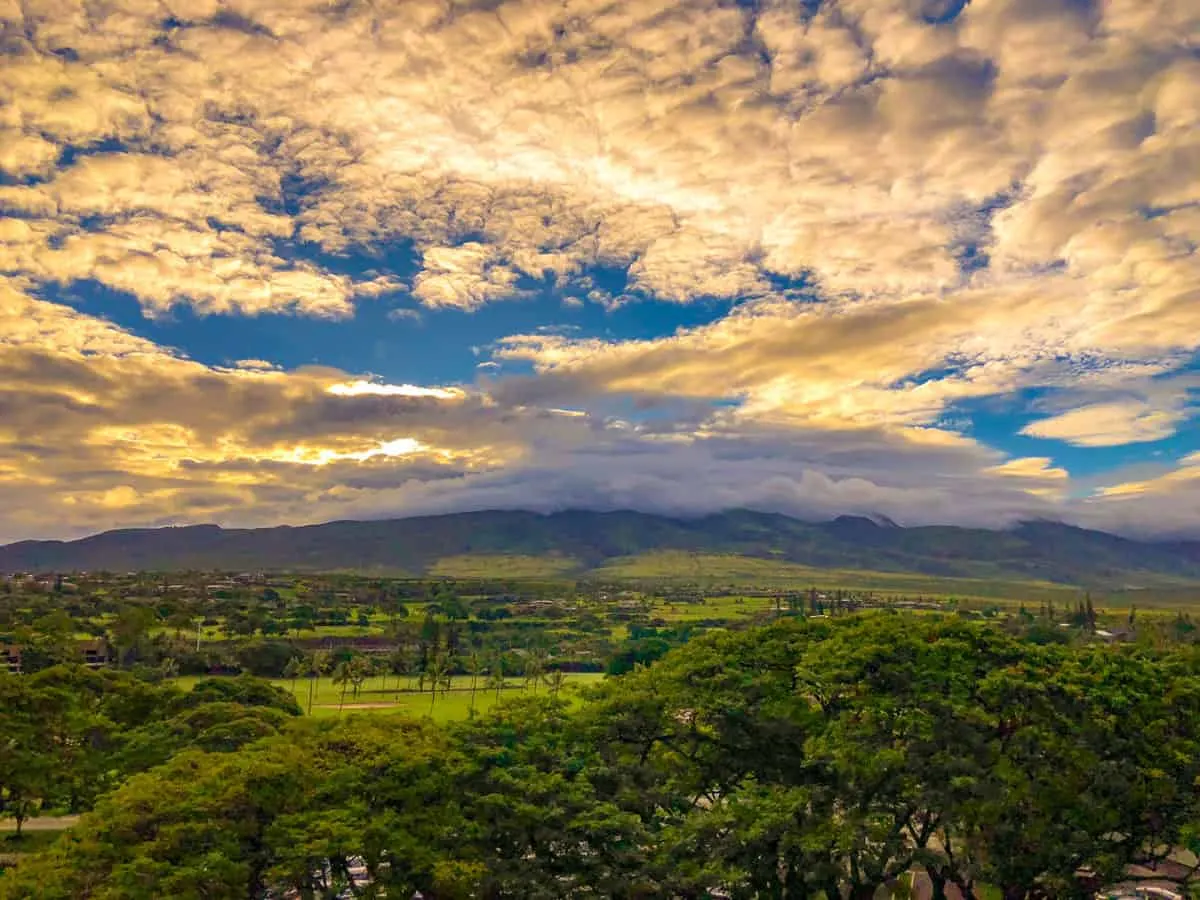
column 1108, row 424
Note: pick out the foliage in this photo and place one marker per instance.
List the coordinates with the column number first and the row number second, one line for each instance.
column 801, row 759
column 68, row 734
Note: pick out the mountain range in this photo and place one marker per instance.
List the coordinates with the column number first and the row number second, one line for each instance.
column 579, row 542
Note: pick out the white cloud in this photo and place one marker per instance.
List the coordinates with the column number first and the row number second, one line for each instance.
column 360, row 387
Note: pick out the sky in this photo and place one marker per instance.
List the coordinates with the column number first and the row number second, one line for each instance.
column 287, row 261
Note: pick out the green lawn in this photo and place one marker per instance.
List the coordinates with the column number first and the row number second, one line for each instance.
column 482, row 565
column 724, row 608
column 379, row 695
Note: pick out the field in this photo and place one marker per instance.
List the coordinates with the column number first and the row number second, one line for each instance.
column 731, row 609
column 379, row 694
column 726, row 569
column 479, row 565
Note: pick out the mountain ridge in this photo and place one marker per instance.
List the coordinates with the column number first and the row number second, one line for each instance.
column 1040, row 550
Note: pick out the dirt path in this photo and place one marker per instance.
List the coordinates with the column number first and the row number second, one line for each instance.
column 356, row 706
column 41, row 823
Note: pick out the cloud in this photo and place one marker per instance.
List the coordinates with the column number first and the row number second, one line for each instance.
column 122, row 432
column 464, row 277
column 1107, row 425
column 1031, row 467
column 360, row 387
column 840, row 365
column 99, row 427
column 704, row 149
column 1117, row 410
column 1162, row 505
column 526, row 138
column 181, row 230
column 909, row 208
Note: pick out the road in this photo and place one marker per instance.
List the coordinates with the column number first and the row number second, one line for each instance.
column 41, row 823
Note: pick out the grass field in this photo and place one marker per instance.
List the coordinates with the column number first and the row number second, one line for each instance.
column 675, row 566
column 379, row 695
column 726, row 608
column 479, row 565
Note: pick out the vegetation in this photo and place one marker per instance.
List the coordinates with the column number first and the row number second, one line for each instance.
column 70, row 733
column 506, row 737
column 812, row 758
column 481, row 565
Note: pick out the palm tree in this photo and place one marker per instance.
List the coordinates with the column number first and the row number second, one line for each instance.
column 399, row 661
column 360, row 671
column 474, row 667
column 556, row 680
column 293, row 670
column 342, row 676
column 495, row 677
column 535, row 665
column 437, row 673
column 318, row 665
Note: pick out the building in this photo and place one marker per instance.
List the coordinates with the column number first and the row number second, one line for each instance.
column 96, row 654
column 10, row 658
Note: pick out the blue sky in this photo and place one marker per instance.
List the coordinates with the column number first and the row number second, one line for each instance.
column 302, row 262
column 998, row 422
column 391, row 337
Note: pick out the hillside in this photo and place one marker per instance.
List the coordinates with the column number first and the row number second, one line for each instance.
column 575, row 542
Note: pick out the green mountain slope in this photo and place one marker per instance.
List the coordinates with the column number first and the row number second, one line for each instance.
column 577, row 542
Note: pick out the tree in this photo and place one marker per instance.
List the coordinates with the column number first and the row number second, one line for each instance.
column 535, row 665
column 132, row 625
column 495, row 679
column 179, row 619
column 244, row 689
column 475, row 666
column 797, row 759
column 280, row 817
column 266, row 659
column 343, row 674
column 360, row 670
column 26, row 752
column 293, row 670
column 400, row 662
column 438, row 674
column 318, row 665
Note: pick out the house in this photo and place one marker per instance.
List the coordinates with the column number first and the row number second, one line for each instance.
column 10, row 658
column 95, row 653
